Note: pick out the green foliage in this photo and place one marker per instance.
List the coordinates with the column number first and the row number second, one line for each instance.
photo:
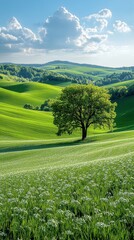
column 131, row 90
column 49, row 76
column 121, row 91
column 80, row 106
column 28, row 106
column 125, row 113
column 115, row 78
column 118, row 92
column 22, row 72
column 46, row 106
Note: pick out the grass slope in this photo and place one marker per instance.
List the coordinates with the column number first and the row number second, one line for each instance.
column 95, row 72
column 19, row 156
column 22, row 93
column 19, row 123
column 125, row 114
column 52, row 190
column 125, row 83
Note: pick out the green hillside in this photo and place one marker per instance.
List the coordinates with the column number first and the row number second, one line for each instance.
column 57, row 188
column 20, row 123
column 125, row 83
column 21, row 93
column 63, row 72
column 80, row 70
column 63, row 153
column 125, row 113
column 17, row 122
column 61, row 187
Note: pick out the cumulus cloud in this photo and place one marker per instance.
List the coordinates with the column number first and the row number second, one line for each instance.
column 14, row 24
column 96, row 44
column 104, row 13
column 121, row 27
column 7, row 38
column 15, row 37
column 61, row 30
column 100, row 18
column 97, row 38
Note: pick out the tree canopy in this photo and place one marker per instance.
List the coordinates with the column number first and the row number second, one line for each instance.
column 81, row 106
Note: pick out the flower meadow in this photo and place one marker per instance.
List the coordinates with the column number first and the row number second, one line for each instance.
column 90, row 201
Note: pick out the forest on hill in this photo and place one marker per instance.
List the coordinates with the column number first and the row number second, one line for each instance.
column 67, row 72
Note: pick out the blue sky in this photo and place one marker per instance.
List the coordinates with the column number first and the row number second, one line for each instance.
column 86, row 31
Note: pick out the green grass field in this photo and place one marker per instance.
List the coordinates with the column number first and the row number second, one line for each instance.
column 125, row 83
column 60, row 187
column 68, row 189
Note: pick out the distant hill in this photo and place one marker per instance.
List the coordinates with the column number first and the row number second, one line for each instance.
column 60, row 62
column 65, row 72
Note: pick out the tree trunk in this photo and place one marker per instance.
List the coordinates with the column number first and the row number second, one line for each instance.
column 84, row 133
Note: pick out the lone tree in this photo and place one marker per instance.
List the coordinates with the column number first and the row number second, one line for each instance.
column 81, row 106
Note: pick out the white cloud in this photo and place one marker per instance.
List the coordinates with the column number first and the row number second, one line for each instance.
column 101, row 17
column 104, row 13
column 103, row 23
column 61, row 30
column 121, row 27
column 7, row 38
column 110, row 32
column 28, row 34
column 17, row 37
column 95, row 44
column 97, row 38
column 64, row 31
column 14, row 24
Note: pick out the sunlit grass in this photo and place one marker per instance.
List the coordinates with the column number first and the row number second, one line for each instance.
column 68, row 190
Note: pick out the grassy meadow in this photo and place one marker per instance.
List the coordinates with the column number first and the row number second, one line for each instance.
column 60, row 188
column 67, row 189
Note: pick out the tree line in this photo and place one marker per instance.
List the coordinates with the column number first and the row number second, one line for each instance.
column 121, row 91
column 50, row 76
column 46, row 106
column 115, row 78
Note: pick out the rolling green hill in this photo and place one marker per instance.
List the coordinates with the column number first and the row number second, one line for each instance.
column 60, row 187
column 125, row 83
column 21, row 93
column 20, row 123
column 35, row 124
column 62, row 153
column 63, row 72
column 88, row 71
column 125, row 113
column 17, row 122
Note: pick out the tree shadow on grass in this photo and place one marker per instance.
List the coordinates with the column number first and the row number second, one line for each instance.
column 124, row 128
column 46, row 145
